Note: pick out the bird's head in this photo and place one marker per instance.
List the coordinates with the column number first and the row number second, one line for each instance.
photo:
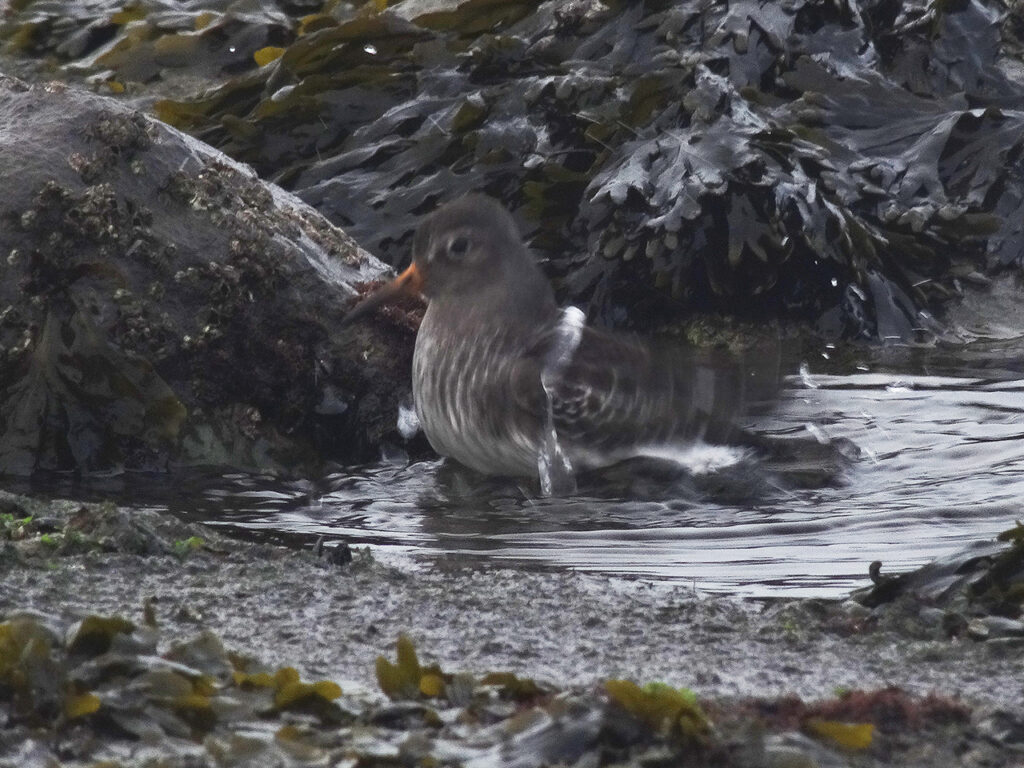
column 468, row 248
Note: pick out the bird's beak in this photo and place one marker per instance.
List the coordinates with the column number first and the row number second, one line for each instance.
column 409, row 283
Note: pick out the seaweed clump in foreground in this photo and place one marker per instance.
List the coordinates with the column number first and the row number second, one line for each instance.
column 103, row 689
column 835, row 163
column 90, row 684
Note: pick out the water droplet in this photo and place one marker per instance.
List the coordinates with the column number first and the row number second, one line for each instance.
column 805, row 377
column 554, row 469
column 408, row 422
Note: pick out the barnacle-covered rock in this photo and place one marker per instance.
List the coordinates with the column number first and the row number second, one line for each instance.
column 159, row 304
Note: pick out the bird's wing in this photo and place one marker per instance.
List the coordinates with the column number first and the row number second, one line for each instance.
column 617, row 392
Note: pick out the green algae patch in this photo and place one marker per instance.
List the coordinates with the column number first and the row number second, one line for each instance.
column 35, row 657
column 266, row 55
column 30, row 675
column 12, row 527
column 852, row 736
column 291, row 693
column 406, row 679
column 283, row 690
column 668, row 711
column 38, row 532
column 224, row 709
column 95, row 634
column 184, row 547
column 81, row 705
column 512, row 686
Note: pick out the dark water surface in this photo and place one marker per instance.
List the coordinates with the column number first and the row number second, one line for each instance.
column 942, row 466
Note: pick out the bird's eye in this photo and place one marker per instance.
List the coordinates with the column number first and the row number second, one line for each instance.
column 458, row 247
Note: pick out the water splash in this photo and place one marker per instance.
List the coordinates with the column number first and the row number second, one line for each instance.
column 805, row 376
column 899, row 385
column 408, row 422
column 698, row 458
column 554, row 469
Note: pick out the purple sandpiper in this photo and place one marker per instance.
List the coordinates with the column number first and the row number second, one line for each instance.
column 507, row 383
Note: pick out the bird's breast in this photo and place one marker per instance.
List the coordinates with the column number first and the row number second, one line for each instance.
column 462, row 379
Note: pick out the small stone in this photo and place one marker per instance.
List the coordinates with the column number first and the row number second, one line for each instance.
column 340, row 554
column 788, row 757
column 954, row 623
column 1005, row 647
column 613, row 247
column 976, row 630
column 854, row 610
column 1000, row 626
column 795, row 750
column 932, row 617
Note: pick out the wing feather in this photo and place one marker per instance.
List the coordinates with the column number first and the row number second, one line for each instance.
column 621, row 392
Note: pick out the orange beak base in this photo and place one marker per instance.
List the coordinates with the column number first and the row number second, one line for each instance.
column 409, row 283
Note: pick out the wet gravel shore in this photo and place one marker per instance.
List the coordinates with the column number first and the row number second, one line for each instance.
column 572, row 632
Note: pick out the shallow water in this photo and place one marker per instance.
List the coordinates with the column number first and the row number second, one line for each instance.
column 942, row 465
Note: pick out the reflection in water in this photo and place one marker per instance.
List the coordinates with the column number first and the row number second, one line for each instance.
column 943, row 465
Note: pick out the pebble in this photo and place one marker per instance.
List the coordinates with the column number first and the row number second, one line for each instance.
column 976, row 630
column 1000, row 626
column 795, row 750
column 932, row 617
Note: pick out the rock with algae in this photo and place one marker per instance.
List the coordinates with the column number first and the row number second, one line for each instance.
column 133, row 48
column 835, row 162
column 161, row 305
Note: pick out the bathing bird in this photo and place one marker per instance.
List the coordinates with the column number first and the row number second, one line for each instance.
column 508, row 383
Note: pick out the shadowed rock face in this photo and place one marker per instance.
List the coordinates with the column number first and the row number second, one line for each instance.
column 159, row 304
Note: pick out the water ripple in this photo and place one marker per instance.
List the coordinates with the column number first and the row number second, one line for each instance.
column 943, row 466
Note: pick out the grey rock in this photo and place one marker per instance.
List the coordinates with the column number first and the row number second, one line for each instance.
column 1000, row 626
column 160, row 304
